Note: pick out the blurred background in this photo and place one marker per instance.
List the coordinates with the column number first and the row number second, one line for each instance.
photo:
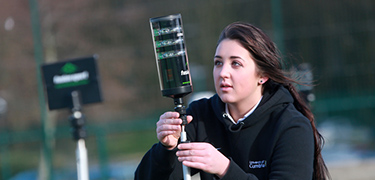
column 329, row 42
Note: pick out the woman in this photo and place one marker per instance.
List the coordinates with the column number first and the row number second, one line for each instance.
column 255, row 127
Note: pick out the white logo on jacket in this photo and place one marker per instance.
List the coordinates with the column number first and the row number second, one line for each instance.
column 257, row 164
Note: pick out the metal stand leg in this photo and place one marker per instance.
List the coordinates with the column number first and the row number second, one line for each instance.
column 181, row 109
column 185, row 169
column 77, row 121
column 82, row 160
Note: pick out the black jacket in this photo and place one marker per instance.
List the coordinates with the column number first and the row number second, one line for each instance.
column 275, row 142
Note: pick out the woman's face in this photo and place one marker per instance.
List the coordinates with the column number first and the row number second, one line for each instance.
column 235, row 74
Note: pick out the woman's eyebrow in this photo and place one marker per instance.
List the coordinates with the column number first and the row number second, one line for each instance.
column 231, row 57
column 237, row 57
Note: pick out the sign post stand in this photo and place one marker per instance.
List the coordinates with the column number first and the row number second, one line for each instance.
column 77, row 120
column 71, row 84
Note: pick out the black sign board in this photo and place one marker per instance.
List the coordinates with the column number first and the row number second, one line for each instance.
column 78, row 74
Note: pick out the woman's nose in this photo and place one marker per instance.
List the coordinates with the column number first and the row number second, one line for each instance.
column 224, row 71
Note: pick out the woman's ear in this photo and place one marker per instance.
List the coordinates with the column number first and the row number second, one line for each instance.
column 262, row 80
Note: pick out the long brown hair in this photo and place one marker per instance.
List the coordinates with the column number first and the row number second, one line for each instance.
column 268, row 61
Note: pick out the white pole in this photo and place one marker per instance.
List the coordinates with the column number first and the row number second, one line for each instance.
column 82, row 160
column 185, row 169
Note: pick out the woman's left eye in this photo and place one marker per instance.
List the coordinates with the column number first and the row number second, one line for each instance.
column 236, row 63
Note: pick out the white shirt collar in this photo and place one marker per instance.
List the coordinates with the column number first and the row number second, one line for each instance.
column 246, row 115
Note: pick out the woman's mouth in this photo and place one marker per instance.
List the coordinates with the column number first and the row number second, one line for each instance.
column 225, row 86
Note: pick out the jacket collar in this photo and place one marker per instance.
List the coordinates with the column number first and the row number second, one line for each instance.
column 271, row 99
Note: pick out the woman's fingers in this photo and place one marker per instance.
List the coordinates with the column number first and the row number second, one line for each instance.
column 168, row 129
column 203, row 156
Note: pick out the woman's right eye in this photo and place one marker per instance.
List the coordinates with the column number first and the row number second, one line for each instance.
column 217, row 62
